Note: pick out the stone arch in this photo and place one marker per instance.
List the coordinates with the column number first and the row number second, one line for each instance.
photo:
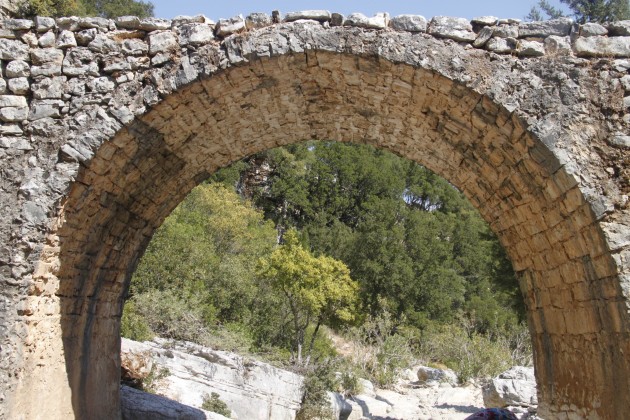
column 466, row 115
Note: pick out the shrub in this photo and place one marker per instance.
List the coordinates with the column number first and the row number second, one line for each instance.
column 133, row 325
column 213, row 403
column 318, row 379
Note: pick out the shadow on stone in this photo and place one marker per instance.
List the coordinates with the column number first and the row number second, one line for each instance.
column 139, row 405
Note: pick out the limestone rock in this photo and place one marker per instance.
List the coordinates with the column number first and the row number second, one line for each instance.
column 195, row 34
column 458, row 29
column 558, row 27
column 18, row 24
column 19, row 85
column 592, row 29
column 530, row 49
column 46, row 56
column 251, row 389
column 257, row 20
column 12, row 101
column 483, row 36
column 514, row 387
column 341, row 408
column 429, row 376
column 409, row 23
column 184, row 20
column 558, row 45
column 66, row 39
column 378, row 21
column 154, row 24
column 505, row 31
column 18, row 68
column 135, row 46
column 318, row 15
column 13, row 50
column 47, row 40
column 620, row 141
column 600, row 46
column 128, row 22
column 502, row 45
column 621, row 28
column 162, row 42
column 227, row 27
column 484, row 21
column 139, row 405
column 68, row 23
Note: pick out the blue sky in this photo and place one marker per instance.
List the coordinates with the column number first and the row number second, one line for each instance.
column 426, row 8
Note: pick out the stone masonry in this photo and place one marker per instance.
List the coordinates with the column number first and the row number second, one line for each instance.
column 106, row 125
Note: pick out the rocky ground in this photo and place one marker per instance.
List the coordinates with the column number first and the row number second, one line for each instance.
column 185, row 373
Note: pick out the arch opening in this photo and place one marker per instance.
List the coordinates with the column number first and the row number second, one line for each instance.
column 519, row 187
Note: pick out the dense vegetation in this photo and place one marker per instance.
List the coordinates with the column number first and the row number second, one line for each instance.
column 102, row 8
column 584, row 10
column 372, row 246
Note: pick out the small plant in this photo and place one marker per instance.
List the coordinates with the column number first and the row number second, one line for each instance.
column 152, row 381
column 319, row 379
column 213, row 403
column 349, row 384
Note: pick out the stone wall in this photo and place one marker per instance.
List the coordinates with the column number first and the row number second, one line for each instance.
column 106, row 125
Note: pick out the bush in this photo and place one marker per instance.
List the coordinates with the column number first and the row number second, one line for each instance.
column 470, row 356
column 213, row 403
column 319, row 379
column 133, row 325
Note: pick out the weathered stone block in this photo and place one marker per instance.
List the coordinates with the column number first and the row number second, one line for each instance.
column 592, row 29
column 13, row 50
column 19, row 85
column 378, row 21
column 154, row 24
column 621, row 28
column 557, row 27
column 47, row 40
column 161, row 42
column 46, row 56
column 599, row 46
column 66, row 40
column 502, row 45
column 483, row 36
column 318, row 15
column 195, row 34
column 18, row 68
column 226, row 27
column 409, row 23
column 531, row 49
column 134, row 46
column 458, row 29
column 44, row 24
column 18, row 24
column 558, row 45
column 128, row 22
column 257, row 20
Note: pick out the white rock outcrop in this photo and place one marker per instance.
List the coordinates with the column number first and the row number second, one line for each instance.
column 514, row 387
column 251, row 389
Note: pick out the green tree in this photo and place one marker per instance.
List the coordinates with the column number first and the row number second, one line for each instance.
column 585, row 10
column 316, row 289
column 103, row 8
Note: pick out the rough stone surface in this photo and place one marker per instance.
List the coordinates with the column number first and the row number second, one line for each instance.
column 92, row 164
column 592, row 29
column 621, row 28
column 428, row 376
column 409, row 23
column 227, row 27
column 251, row 389
column 257, row 20
column 318, row 15
column 139, row 405
column 378, row 21
column 458, row 29
column 557, row 27
column 515, row 387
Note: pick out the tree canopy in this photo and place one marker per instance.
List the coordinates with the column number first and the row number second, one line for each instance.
column 101, row 8
column 584, row 10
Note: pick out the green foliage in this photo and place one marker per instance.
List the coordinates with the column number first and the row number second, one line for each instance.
column 214, row 404
column 103, row 8
column 470, row 355
column 133, row 325
column 151, row 383
column 584, row 10
column 316, row 289
column 318, row 379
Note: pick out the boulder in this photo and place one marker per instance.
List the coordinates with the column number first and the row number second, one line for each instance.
column 430, row 376
column 318, row 15
column 558, row 27
column 409, row 23
column 378, row 21
column 251, row 389
column 601, row 46
column 227, row 27
column 458, row 29
column 139, row 405
column 514, row 387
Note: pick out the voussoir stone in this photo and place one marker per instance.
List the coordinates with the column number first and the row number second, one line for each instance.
column 226, row 27
column 378, row 21
column 409, row 23
column 558, row 27
column 13, row 50
column 600, row 46
column 318, row 15
column 458, row 29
